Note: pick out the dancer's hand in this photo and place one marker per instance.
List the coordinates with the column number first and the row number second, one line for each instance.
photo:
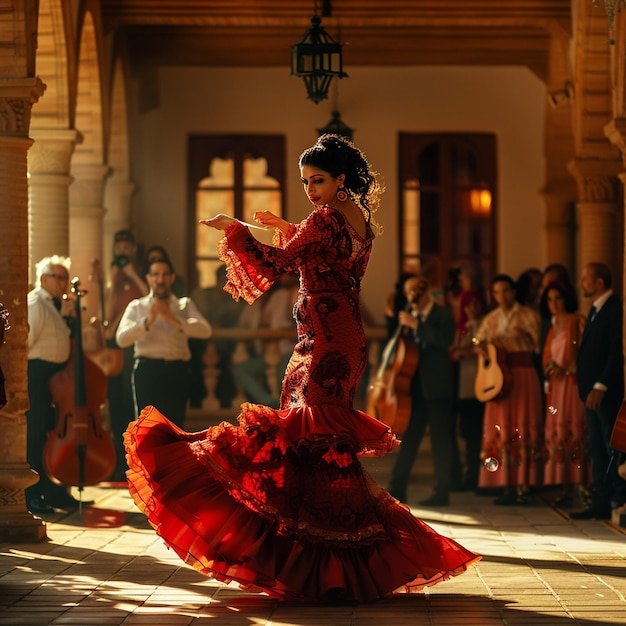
column 220, row 222
column 267, row 218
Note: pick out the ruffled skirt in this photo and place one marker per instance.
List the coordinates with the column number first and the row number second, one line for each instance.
column 281, row 504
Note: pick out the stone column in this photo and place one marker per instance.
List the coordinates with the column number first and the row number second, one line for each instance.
column 597, row 211
column 48, row 192
column 17, row 95
column 560, row 227
column 86, row 213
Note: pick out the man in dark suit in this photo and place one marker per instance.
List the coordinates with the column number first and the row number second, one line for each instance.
column 600, row 371
column 432, row 327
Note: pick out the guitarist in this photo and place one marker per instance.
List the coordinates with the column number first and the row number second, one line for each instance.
column 432, row 393
column 513, row 424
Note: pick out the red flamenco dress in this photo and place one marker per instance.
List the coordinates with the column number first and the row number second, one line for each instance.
column 280, row 503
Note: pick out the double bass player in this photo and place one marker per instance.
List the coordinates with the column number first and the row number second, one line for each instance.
column 48, row 353
column 432, row 328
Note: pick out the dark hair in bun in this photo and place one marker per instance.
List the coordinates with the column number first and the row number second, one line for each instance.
column 337, row 155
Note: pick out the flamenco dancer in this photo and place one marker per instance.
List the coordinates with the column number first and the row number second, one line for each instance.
column 280, row 503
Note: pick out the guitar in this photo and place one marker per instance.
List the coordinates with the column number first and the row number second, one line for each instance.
column 493, row 379
column 618, row 436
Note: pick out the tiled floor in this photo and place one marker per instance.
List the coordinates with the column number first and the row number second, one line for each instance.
column 104, row 566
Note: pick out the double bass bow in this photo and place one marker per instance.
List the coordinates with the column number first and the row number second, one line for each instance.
column 78, row 451
column 389, row 396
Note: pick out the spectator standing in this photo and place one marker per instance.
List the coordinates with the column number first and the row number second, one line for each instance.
column 469, row 409
column 432, row 393
column 513, row 425
column 600, row 370
column 125, row 284
column 566, row 441
column 48, row 352
column 159, row 326
column 553, row 273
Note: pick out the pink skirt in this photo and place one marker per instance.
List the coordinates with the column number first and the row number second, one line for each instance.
column 512, row 444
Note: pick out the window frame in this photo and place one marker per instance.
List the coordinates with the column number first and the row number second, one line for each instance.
column 484, row 147
column 202, row 149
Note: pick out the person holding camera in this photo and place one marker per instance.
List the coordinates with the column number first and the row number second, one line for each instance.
column 125, row 284
column 126, row 280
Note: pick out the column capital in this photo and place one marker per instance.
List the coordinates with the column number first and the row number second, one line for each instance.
column 17, row 96
column 596, row 179
column 88, row 186
column 52, row 150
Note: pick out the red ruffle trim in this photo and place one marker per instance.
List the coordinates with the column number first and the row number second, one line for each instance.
column 244, row 280
column 186, row 498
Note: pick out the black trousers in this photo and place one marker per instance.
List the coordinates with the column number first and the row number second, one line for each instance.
column 40, row 418
column 438, row 415
column 164, row 385
column 471, row 416
column 607, row 486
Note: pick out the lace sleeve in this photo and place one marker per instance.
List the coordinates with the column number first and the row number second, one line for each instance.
column 252, row 266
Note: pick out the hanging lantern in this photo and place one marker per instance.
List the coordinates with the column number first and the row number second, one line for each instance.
column 317, row 58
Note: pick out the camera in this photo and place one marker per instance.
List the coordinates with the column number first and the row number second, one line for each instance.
column 120, row 261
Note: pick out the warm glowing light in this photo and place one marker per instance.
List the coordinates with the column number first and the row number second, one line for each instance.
column 480, row 202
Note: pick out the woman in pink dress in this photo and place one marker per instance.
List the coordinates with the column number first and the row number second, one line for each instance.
column 512, row 446
column 280, row 503
column 566, row 444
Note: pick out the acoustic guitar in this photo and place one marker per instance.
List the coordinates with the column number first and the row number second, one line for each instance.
column 493, row 378
column 618, row 436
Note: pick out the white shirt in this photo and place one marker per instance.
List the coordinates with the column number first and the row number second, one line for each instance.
column 48, row 334
column 161, row 340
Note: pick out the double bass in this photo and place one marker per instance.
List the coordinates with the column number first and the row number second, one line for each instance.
column 389, row 396
column 78, row 451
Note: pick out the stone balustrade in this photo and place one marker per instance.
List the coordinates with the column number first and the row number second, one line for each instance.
column 211, row 410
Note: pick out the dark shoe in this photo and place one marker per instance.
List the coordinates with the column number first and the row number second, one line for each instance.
column 593, row 511
column 38, row 507
column 439, row 498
